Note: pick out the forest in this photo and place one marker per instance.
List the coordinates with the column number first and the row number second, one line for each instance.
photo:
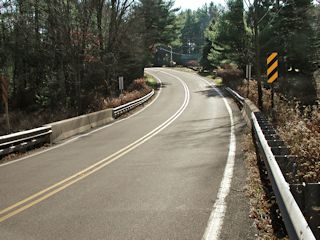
column 61, row 58
column 58, row 53
column 247, row 31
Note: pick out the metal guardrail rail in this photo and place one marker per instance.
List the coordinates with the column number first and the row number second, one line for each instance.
column 265, row 137
column 235, row 95
column 118, row 111
column 24, row 140
column 273, row 151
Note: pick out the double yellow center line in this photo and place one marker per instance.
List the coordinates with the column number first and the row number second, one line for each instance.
column 56, row 188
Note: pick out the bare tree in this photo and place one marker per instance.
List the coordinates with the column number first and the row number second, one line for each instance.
column 254, row 5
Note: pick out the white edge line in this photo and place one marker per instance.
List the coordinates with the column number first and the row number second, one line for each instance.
column 86, row 134
column 215, row 221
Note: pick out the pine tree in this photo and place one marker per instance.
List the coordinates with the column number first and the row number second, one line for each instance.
column 228, row 37
column 205, row 63
column 158, row 24
column 296, row 37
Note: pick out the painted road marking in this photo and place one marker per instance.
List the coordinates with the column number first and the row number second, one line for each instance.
column 56, row 188
column 215, row 222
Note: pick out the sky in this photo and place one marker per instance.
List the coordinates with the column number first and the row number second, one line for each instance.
column 195, row 4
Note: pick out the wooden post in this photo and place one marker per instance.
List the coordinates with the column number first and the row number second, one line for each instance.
column 272, row 97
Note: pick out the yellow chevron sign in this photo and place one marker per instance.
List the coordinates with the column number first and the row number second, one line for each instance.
column 273, row 63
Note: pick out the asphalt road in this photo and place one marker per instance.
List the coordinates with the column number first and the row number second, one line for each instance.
column 154, row 175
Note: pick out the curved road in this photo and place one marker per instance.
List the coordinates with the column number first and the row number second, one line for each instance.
column 163, row 173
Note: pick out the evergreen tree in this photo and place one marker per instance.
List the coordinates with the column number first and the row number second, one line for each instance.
column 295, row 37
column 205, row 63
column 195, row 24
column 228, row 36
column 158, row 24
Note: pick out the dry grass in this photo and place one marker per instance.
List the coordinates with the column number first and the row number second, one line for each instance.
column 299, row 127
column 300, row 130
column 21, row 120
column 259, row 210
column 138, row 89
column 262, row 208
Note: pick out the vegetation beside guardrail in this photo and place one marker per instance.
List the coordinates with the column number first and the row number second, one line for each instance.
column 57, row 131
column 298, row 126
column 274, row 153
column 299, row 202
column 118, row 111
column 137, row 90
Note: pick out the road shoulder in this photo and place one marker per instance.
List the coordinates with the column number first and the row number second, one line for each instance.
column 237, row 223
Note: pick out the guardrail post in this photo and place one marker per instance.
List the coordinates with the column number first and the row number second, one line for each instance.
column 281, row 168
column 278, row 161
column 24, row 140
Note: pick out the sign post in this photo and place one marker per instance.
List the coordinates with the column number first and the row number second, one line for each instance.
column 121, row 84
column 248, row 76
column 272, row 72
column 5, row 89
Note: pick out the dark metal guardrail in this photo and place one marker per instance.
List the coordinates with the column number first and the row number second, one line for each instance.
column 22, row 141
column 236, row 96
column 274, row 153
column 118, row 111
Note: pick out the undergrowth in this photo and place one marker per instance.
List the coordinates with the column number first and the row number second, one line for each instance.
column 298, row 126
column 263, row 208
column 22, row 120
column 138, row 89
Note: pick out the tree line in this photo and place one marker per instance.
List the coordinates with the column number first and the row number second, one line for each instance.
column 244, row 32
column 189, row 39
column 247, row 31
column 63, row 53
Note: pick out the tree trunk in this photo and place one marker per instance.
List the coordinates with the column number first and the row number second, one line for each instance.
column 258, row 53
column 99, row 10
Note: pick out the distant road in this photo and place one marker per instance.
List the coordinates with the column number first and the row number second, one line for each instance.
column 155, row 175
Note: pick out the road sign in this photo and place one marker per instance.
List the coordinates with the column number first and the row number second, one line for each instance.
column 248, row 77
column 121, row 84
column 272, row 71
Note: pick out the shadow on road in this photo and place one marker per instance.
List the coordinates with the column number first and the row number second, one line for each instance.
column 194, row 133
column 211, row 92
column 163, row 85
